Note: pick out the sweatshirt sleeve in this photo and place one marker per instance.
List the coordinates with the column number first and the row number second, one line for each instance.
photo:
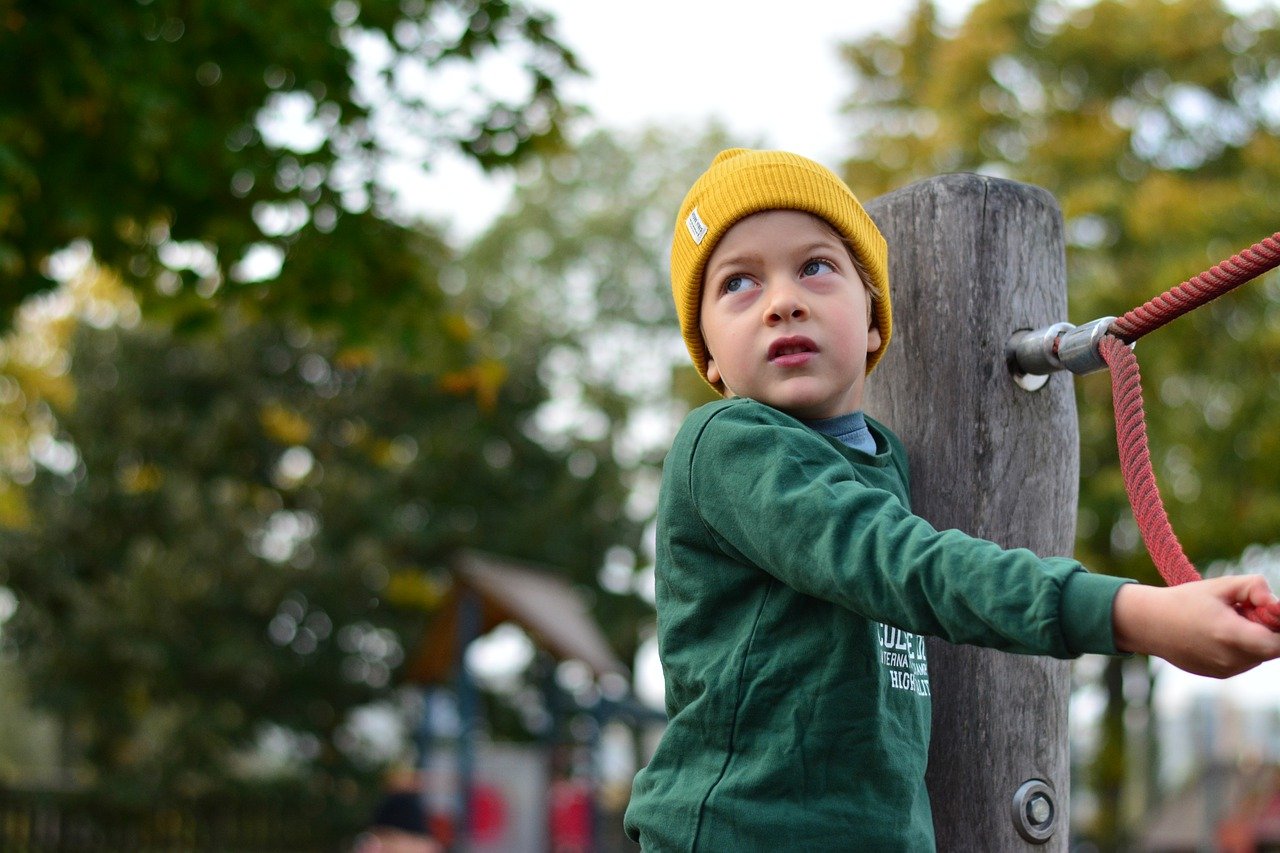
column 773, row 494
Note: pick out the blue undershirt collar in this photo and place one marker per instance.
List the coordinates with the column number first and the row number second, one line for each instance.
column 850, row 429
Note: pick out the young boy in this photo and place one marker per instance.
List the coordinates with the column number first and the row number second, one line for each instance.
column 793, row 582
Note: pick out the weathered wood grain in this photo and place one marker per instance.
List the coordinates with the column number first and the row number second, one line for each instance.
column 972, row 259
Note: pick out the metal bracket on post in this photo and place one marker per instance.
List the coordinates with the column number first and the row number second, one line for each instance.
column 1034, row 354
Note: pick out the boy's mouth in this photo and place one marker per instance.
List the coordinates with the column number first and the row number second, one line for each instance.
column 791, row 351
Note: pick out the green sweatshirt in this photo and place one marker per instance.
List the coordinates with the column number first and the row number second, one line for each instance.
column 793, row 587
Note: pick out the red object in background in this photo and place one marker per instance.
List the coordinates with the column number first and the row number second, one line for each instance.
column 441, row 826
column 1254, row 826
column 488, row 813
column 570, row 817
column 488, row 817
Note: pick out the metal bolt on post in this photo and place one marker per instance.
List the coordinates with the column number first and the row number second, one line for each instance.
column 1034, row 814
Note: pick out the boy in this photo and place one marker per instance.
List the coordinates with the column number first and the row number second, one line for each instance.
column 793, row 582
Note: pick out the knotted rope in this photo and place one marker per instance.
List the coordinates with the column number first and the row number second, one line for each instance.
column 1131, row 427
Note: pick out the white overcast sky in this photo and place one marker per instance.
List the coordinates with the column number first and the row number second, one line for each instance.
column 769, row 71
column 763, row 67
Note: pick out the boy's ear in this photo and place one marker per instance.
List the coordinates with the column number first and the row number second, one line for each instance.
column 874, row 341
column 713, row 372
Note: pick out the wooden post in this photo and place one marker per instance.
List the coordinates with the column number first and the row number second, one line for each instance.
column 971, row 260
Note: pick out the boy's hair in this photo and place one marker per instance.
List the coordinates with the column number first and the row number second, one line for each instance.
column 741, row 182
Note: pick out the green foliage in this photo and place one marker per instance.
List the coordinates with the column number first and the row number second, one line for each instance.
column 28, row 740
column 238, row 537
column 177, row 137
column 577, row 268
column 1149, row 121
column 264, row 819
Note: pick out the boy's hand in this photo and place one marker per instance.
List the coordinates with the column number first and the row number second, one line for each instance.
column 1197, row 626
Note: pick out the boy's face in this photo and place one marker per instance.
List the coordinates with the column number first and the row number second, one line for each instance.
column 786, row 317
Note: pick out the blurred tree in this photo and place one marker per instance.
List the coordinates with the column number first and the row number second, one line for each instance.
column 231, row 541
column 1154, row 122
column 576, row 267
column 33, row 374
column 572, row 276
column 206, row 149
column 33, row 378
column 28, row 739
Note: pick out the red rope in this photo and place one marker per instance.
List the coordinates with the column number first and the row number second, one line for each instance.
column 1205, row 287
column 1131, row 427
column 1135, row 462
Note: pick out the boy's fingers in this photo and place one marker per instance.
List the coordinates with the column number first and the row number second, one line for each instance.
column 1267, row 615
column 1260, row 605
column 1252, row 599
column 1261, row 645
column 1244, row 589
column 1260, row 594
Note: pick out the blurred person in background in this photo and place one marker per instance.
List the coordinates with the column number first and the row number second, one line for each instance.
column 399, row 823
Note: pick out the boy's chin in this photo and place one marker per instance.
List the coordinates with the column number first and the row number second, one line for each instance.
column 814, row 405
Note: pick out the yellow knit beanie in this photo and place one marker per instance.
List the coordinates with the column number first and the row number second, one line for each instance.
column 741, row 182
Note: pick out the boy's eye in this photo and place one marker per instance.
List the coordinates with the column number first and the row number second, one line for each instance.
column 816, row 267
column 738, row 284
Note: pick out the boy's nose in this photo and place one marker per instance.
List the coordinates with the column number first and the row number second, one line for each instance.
column 785, row 302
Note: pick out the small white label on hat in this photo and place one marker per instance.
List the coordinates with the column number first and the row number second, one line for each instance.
column 697, row 228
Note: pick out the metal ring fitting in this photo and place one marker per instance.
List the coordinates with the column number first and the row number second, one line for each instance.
column 1080, row 348
column 1034, row 352
column 1034, row 811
